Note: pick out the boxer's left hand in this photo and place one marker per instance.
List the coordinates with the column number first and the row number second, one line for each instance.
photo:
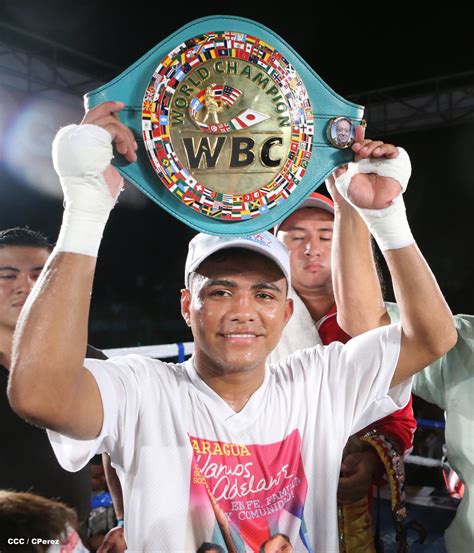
column 368, row 190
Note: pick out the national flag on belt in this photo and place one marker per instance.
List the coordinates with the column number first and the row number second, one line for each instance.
column 206, row 46
column 254, row 204
column 230, row 94
column 281, row 180
column 179, row 75
column 287, row 166
column 196, row 104
column 247, row 118
column 175, row 157
column 191, row 194
column 176, row 50
column 208, row 193
column 190, row 43
column 188, row 178
column 299, row 173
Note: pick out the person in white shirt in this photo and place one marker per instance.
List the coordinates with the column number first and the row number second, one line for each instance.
column 222, row 448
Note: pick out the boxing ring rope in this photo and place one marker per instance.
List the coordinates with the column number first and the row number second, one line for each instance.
column 163, row 351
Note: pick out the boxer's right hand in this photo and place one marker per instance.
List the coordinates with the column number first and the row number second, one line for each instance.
column 81, row 156
column 106, row 116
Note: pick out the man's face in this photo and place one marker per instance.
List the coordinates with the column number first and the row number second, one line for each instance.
column 343, row 132
column 237, row 308
column 307, row 233
column 20, row 267
column 98, row 481
column 278, row 544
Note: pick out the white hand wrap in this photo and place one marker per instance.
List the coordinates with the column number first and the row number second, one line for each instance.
column 388, row 226
column 81, row 153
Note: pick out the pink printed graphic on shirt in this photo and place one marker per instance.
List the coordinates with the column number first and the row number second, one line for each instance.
column 255, row 490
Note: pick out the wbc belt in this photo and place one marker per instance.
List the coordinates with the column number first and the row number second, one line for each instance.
column 234, row 128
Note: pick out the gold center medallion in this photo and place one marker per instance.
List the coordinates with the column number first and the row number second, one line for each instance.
column 228, row 125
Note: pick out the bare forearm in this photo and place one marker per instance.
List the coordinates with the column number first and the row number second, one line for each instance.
column 114, row 486
column 356, row 284
column 428, row 329
column 50, row 341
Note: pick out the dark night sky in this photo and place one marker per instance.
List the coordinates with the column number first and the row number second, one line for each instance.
column 140, row 266
column 353, row 47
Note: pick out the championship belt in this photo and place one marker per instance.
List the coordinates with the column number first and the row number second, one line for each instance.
column 234, row 128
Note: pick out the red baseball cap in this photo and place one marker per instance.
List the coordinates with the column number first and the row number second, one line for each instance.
column 315, row 199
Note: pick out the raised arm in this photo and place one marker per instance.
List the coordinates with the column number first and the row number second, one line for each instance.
column 356, row 285
column 373, row 185
column 48, row 384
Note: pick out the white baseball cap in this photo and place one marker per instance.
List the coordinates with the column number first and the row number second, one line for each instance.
column 265, row 243
column 313, row 200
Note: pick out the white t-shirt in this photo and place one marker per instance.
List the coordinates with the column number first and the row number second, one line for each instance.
column 193, row 471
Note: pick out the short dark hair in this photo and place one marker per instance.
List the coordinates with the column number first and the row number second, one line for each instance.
column 284, row 536
column 24, row 237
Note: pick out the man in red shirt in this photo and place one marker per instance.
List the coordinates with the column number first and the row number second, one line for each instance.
column 307, row 233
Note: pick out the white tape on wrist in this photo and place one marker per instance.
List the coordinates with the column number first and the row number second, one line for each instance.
column 389, row 226
column 81, row 153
